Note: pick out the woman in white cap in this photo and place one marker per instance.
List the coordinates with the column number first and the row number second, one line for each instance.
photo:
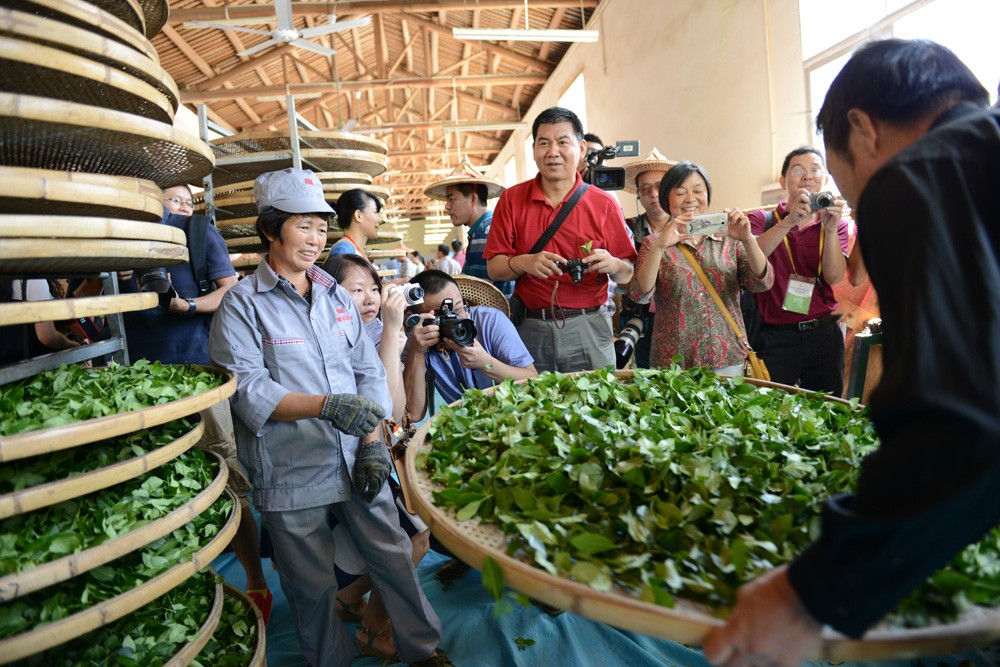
column 311, row 393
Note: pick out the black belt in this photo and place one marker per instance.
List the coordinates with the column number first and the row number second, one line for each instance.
column 560, row 313
column 808, row 325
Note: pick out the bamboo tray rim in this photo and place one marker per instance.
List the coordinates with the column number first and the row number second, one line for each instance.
column 41, row 576
column 260, row 650
column 190, row 651
column 27, row 312
column 686, row 623
column 47, row 189
column 78, row 71
column 375, row 145
column 87, row 227
column 61, row 631
column 43, row 441
column 50, row 493
column 101, row 22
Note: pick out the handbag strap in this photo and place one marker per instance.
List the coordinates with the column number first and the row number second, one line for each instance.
column 561, row 216
column 715, row 295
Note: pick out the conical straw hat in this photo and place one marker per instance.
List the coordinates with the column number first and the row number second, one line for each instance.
column 655, row 161
column 464, row 173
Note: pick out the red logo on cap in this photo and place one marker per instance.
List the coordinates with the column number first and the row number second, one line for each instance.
column 309, row 181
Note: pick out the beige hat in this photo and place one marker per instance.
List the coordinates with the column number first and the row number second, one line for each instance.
column 652, row 162
column 464, row 173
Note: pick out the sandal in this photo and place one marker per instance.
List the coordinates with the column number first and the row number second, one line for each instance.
column 264, row 600
column 436, row 659
column 368, row 647
column 351, row 612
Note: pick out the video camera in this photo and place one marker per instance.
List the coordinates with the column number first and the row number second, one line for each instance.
column 452, row 325
column 610, row 178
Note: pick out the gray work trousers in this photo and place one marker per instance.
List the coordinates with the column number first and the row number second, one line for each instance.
column 304, row 549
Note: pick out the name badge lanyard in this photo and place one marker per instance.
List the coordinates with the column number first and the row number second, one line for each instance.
column 803, row 307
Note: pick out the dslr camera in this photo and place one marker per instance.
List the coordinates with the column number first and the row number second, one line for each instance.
column 412, row 292
column 820, row 200
column 634, row 315
column 451, row 325
column 574, row 267
column 610, row 178
column 157, row 280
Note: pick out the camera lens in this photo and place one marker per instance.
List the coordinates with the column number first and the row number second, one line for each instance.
column 413, row 294
column 154, row 280
column 461, row 331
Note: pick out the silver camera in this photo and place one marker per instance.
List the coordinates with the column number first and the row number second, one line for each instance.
column 820, row 200
column 412, row 292
column 708, row 224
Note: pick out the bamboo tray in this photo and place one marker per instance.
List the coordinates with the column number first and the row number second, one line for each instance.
column 252, row 244
column 473, row 541
column 242, row 205
column 156, row 12
column 46, row 193
column 127, row 11
column 91, row 45
column 35, row 641
column 43, row 441
column 28, row 581
column 35, row 69
column 83, row 14
column 42, row 133
column 234, row 168
column 259, row 658
column 26, row 312
column 44, row 495
column 244, row 187
column 190, row 651
column 74, row 255
column 246, row 262
column 247, row 143
column 80, row 227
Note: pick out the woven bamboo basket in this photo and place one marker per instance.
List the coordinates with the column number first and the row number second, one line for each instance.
column 36, row 578
column 44, row 495
column 25, row 644
column 42, row 133
column 43, row 441
column 473, row 541
column 247, row 143
column 35, row 69
column 259, row 658
column 190, row 651
column 246, row 187
column 156, row 12
column 74, row 255
column 80, row 227
column 235, row 168
column 46, row 193
column 127, row 11
column 25, row 312
column 90, row 45
column 83, row 14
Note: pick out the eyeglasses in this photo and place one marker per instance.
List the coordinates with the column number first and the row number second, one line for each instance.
column 177, row 201
column 651, row 189
column 817, row 172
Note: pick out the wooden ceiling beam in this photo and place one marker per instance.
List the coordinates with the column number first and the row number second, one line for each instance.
column 508, row 54
column 423, row 154
column 557, row 17
column 231, row 11
column 244, row 67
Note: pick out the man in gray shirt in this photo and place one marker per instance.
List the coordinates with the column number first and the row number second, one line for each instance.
column 311, row 393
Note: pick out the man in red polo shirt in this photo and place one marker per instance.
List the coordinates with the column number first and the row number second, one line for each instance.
column 564, row 327
column 800, row 339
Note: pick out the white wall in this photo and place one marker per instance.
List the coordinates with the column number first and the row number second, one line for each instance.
column 695, row 79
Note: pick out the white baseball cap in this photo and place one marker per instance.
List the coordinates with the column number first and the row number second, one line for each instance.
column 291, row 191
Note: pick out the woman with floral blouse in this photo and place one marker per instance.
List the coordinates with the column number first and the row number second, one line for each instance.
column 692, row 327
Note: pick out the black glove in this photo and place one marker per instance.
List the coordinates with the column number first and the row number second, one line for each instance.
column 352, row 414
column 371, row 467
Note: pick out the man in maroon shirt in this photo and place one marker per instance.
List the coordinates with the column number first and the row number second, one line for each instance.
column 800, row 339
column 564, row 327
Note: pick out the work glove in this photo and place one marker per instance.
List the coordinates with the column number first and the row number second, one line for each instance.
column 371, row 467
column 352, row 414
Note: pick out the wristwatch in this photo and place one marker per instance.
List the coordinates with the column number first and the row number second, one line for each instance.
column 192, row 308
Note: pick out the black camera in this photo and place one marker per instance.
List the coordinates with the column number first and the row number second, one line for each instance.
column 452, row 325
column 634, row 315
column 820, row 200
column 412, row 292
column 610, row 178
column 154, row 280
column 574, row 267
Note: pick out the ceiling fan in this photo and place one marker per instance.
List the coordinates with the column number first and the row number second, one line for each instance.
column 285, row 31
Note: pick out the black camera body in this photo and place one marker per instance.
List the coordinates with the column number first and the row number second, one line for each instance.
column 610, row 178
column 574, row 267
column 451, row 325
column 820, row 200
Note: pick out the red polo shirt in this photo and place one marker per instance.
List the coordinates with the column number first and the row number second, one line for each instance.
column 804, row 245
column 521, row 217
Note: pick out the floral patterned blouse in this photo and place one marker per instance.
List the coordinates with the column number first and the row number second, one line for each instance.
column 688, row 323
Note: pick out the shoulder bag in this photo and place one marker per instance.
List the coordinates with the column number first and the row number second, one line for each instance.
column 755, row 367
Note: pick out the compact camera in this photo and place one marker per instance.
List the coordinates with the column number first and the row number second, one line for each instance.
column 820, row 200
column 451, row 325
column 707, row 224
column 412, row 292
column 574, row 267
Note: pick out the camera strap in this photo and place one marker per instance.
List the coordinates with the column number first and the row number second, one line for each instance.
column 561, row 216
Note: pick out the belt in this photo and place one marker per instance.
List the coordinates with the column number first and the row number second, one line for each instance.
column 808, row 325
column 560, row 313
